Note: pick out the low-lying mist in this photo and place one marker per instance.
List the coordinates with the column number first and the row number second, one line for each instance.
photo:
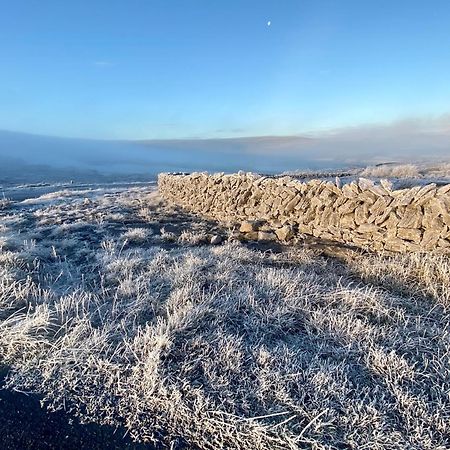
column 34, row 158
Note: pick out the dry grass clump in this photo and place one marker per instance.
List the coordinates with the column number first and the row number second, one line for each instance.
column 137, row 235
column 408, row 171
column 5, row 203
column 392, row 171
column 439, row 170
column 188, row 237
column 426, row 275
column 222, row 347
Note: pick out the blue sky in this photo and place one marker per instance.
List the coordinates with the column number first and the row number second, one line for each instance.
column 140, row 69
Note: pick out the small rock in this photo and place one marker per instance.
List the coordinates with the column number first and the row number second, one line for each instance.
column 276, row 223
column 216, row 240
column 386, row 184
column 365, row 184
column 284, row 233
column 266, row 236
column 250, row 225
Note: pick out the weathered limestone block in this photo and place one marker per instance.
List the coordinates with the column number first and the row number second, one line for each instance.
column 327, row 197
column 361, row 241
column 379, row 236
column 333, row 219
column 365, row 184
column 333, row 188
column 348, row 221
column 316, row 203
column 346, row 235
column 367, row 228
column 379, row 191
column 413, row 247
column 377, row 246
column 446, row 234
column 348, row 207
column 339, row 202
column 425, row 194
column 444, row 243
column 302, row 205
column 406, row 196
column 395, row 245
column 250, row 212
column 381, row 217
column 361, row 214
column 430, row 239
column 276, row 204
column 335, row 231
column 387, row 185
column 292, row 204
column 438, row 206
column 380, row 205
column 308, row 216
column 257, row 194
column 306, row 229
column 368, row 197
column 350, row 190
column 432, row 220
column 446, row 219
column 251, row 236
column 410, row 234
column 317, row 231
column 286, row 197
column 412, row 217
column 324, row 216
column 444, row 190
column 282, row 194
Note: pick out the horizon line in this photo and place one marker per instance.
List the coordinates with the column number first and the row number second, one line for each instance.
column 307, row 135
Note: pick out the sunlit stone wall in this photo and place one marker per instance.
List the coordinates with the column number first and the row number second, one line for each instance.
column 362, row 213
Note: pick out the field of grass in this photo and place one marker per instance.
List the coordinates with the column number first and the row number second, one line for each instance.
column 398, row 176
column 117, row 309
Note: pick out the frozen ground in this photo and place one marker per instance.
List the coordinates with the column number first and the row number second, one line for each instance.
column 114, row 307
column 399, row 175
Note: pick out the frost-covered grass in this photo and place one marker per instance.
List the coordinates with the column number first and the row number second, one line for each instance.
column 113, row 308
column 392, row 171
column 422, row 275
column 439, row 170
column 408, row 171
column 399, row 175
column 5, row 203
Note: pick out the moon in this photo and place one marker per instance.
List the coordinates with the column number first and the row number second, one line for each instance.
column 269, row 23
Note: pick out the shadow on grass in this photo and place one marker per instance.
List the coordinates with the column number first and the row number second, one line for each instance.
column 25, row 425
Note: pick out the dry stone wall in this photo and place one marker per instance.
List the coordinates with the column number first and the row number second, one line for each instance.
column 361, row 213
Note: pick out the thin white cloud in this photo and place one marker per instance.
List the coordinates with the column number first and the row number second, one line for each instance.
column 103, row 63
